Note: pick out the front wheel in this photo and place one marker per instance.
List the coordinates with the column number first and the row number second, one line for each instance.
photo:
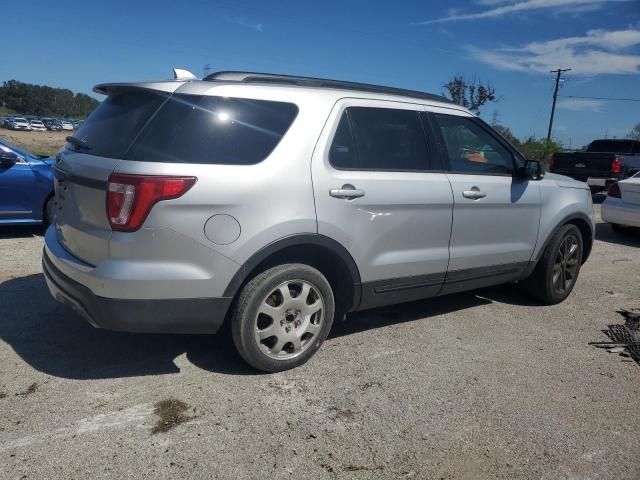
column 282, row 317
column 557, row 271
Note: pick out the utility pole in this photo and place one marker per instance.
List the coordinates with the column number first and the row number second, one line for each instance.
column 558, row 73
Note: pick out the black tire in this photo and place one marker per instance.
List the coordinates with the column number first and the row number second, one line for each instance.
column 543, row 284
column 259, row 291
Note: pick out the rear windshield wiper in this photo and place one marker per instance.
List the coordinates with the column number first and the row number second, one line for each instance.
column 78, row 142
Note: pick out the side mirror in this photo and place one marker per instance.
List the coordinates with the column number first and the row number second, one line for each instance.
column 7, row 159
column 533, row 170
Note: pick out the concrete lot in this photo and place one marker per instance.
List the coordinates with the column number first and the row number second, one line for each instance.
column 477, row 385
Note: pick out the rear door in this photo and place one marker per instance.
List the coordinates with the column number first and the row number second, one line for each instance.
column 82, row 170
column 496, row 214
column 380, row 191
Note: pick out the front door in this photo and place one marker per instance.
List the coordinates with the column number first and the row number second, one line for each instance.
column 496, row 214
column 380, row 192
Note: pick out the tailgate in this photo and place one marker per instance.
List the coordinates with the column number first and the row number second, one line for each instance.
column 583, row 165
column 81, row 221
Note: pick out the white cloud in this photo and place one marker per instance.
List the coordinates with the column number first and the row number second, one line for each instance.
column 580, row 104
column 498, row 9
column 241, row 21
column 597, row 52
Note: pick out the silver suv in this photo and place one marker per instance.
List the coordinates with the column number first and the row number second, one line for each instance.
column 281, row 203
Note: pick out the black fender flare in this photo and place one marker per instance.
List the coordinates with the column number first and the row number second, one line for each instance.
column 567, row 219
column 299, row 239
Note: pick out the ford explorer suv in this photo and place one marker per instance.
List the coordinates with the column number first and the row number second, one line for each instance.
column 278, row 203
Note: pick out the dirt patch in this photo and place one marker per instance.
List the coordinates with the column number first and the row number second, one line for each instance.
column 38, row 143
column 171, row 413
column 31, row 389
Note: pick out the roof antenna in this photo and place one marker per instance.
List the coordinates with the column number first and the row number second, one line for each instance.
column 181, row 74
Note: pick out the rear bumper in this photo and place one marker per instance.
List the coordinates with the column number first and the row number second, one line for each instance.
column 189, row 315
column 614, row 210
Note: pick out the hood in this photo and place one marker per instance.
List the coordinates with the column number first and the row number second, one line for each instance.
column 564, row 181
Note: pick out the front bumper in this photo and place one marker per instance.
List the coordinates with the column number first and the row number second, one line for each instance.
column 189, row 315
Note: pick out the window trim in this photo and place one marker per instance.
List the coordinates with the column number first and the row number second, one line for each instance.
column 444, row 154
column 431, row 147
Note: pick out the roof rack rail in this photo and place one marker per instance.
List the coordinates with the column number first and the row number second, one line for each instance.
column 255, row 77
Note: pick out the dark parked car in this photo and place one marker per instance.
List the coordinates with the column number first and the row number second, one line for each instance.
column 26, row 187
column 53, row 125
column 604, row 162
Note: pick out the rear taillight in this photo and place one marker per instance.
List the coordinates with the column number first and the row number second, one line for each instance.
column 616, row 166
column 130, row 197
column 614, row 190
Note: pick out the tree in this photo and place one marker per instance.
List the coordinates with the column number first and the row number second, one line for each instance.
column 45, row 101
column 634, row 134
column 471, row 94
column 542, row 150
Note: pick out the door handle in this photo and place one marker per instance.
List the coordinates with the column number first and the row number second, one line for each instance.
column 347, row 192
column 474, row 193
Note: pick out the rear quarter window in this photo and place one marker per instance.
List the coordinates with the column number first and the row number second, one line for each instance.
column 213, row 130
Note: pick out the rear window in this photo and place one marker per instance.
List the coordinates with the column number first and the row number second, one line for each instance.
column 111, row 128
column 615, row 146
column 213, row 130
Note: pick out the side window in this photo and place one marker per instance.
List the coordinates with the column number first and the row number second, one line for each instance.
column 380, row 139
column 471, row 149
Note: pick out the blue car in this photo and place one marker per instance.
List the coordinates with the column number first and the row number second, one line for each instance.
column 26, row 187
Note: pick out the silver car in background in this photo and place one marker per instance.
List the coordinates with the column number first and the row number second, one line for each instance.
column 279, row 203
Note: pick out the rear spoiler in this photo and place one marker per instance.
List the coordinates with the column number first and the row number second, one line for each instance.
column 168, row 86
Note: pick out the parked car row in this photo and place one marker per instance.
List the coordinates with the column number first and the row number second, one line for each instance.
column 39, row 124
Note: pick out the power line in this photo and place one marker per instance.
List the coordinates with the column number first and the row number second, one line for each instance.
column 558, row 73
column 603, row 98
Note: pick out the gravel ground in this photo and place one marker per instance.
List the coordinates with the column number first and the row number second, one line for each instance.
column 477, row 385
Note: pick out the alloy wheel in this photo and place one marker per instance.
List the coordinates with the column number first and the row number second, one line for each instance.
column 289, row 319
column 567, row 262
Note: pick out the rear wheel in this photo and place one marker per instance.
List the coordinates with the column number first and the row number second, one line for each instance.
column 557, row 271
column 282, row 317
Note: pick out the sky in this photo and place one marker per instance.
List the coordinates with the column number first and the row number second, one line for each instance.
column 512, row 44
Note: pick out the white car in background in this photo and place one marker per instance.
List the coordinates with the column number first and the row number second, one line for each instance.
column 37, row 126
column 66, row 125
column 19, row 123
column 621, row 208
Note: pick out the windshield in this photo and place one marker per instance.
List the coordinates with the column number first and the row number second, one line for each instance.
column 19, row 119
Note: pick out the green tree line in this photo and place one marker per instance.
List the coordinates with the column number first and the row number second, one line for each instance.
column 44, row 101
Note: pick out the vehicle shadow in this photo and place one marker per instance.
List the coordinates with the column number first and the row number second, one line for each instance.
column 54, row 340
column 630, row 238
column 25, row 231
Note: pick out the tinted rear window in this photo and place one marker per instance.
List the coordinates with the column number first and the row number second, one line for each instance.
column 619, row 146
column 379, row 139
column 111, row 128
column 213, row 130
